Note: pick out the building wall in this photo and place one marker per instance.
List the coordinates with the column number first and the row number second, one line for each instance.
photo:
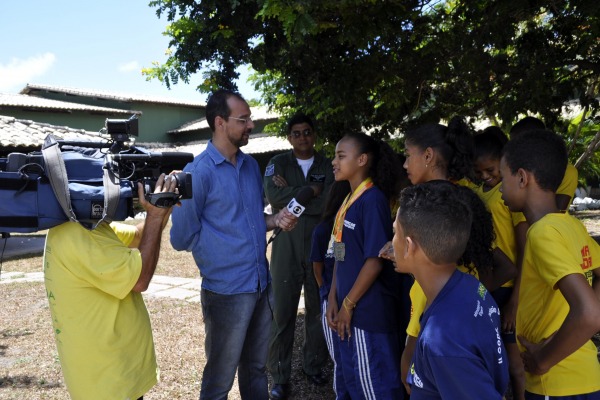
column 155, row 121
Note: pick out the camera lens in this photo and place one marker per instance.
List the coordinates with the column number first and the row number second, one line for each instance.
column 184, row 184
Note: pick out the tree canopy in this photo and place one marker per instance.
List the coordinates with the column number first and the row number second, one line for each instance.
column 387, row 65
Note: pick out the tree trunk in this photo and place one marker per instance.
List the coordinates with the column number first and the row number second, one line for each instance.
column 589, row 150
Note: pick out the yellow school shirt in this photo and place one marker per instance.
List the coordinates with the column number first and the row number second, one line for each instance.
column 465, row 182
column 557, row 245
column 504, row 222
column 102, row 328
column 418, row 300
column 569, row 182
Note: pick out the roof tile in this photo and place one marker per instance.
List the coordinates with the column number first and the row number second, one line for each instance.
column 257, row 144
column 19, row 132
column 22, row 100
column 126, row 97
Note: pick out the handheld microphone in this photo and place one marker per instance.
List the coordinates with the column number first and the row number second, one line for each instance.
column 296, row 206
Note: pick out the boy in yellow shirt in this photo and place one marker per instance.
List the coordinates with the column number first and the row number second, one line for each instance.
column 559, row 309
column 568, row 184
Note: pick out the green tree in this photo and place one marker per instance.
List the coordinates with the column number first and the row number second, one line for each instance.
column 386, row 65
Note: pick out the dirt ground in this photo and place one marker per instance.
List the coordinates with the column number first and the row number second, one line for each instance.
column 29, row 367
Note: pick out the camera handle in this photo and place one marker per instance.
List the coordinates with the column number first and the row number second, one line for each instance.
column 162, row 200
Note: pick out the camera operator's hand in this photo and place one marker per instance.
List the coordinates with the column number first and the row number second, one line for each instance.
column 151, row 229
column 164, row 184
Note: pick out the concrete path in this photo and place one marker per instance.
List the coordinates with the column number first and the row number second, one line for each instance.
column 161, row 286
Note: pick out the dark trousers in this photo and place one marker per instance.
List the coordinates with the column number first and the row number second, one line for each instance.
column 287, row 285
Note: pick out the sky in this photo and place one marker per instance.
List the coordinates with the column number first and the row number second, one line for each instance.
column 97, row 45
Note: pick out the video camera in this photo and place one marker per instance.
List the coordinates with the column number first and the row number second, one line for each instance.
column 85, row 181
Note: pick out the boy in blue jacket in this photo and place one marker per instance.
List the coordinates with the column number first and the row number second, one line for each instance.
column 460, row 328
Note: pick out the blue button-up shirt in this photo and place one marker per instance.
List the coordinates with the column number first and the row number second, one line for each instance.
column 223, row 225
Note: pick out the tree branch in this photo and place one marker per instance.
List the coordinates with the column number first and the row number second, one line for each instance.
column 589, row 151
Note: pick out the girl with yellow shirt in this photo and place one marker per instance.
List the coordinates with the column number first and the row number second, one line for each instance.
column 510, row 230
column 438, row 152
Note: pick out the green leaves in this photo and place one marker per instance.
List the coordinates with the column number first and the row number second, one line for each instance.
column 388, row 65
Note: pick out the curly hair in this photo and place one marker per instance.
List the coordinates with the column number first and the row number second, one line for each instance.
column 435, row 216
column 450, row 223
column 454, row 144
column 479, row 252
column 386, row 166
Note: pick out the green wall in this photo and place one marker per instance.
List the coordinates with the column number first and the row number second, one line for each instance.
column 155, row 121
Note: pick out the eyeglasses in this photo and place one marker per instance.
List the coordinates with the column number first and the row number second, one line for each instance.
column 305, row 133
column 244, row 120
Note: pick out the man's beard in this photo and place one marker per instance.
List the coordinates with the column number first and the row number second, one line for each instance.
column 242, row 141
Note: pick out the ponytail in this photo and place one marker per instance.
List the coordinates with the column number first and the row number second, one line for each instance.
column 453, row 143
column 386, row 166
column 458, row 136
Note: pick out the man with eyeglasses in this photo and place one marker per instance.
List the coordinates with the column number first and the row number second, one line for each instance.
column 224, row 227
column 285, row 175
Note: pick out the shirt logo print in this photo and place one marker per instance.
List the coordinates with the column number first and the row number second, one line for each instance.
column 481, row 290
column 478, row 310
column 418, row 382
column 586, row 257
column 349, row 224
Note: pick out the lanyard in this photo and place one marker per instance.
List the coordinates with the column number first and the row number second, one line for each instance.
column 338, row 227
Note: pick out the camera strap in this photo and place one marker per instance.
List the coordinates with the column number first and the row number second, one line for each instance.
column 112, row 194
column 57, row 175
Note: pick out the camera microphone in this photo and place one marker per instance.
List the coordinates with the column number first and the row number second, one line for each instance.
column 296, row 206
column 167, row 158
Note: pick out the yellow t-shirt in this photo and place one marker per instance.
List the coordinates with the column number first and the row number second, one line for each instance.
column 557, row 245
column 465, row 182
column 418, row 301
column 569, row 182
column 504, row 222
column 102, row 328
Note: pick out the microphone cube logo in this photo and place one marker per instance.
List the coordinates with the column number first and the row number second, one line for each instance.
column 295, row 208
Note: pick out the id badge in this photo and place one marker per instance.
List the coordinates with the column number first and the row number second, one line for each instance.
column 339, row 251
column 330, row 246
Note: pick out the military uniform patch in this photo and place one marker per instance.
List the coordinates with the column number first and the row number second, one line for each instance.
column 318, row 178
column 270, row 170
